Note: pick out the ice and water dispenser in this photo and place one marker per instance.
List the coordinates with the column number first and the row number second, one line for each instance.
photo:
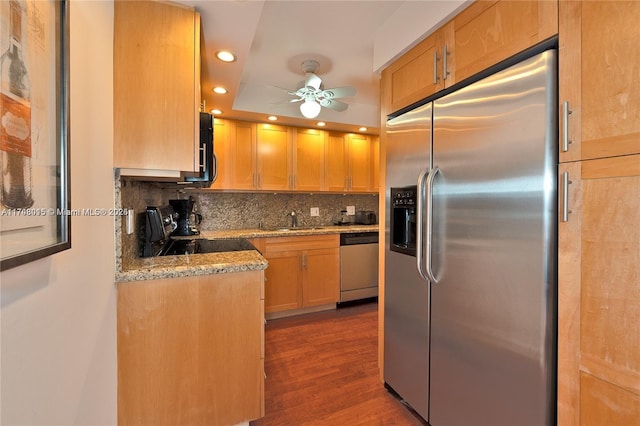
column 403, row 220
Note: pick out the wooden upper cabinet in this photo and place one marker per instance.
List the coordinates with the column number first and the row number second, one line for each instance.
column 359, row 162
column 268, row 157
column 221, row 147
column 488, row 32
column 417, row 74
column 336, row 166
column 156, row 86
column 375, row 163
column 308, row 160
column 243, row 155
column 348, row 162
column 273, row 157
column 599, row 79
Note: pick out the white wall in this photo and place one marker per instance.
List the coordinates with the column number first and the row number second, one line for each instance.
column 58, row 315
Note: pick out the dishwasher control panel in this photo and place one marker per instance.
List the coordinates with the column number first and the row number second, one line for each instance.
column 349, row 239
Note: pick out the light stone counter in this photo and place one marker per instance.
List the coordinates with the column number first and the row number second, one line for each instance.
column 190, row 265
column 284, row 232
column 224, row 262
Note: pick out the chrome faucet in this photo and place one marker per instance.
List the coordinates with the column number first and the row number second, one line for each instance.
column 294, row 220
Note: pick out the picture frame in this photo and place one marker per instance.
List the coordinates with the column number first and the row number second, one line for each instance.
column 35, row 215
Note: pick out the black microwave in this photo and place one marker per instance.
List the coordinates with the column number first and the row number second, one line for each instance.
column 208, row 161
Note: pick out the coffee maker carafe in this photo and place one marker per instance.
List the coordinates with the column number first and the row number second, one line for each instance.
column 187, row 221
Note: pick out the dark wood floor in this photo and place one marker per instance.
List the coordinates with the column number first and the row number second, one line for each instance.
column 322, row 369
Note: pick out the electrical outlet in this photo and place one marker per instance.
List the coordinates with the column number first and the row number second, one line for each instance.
column 351, row 210
column 315, row 211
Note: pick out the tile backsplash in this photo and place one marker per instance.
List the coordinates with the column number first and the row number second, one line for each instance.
column 231, row 210
column 224, row 210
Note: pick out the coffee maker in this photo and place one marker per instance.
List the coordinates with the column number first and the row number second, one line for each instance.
column 187, row 221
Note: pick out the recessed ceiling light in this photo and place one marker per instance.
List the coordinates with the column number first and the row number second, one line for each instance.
column 272, row 118
column 321, row 123
column 216, row 112
column 225, row 56
column 220, row 90
column 362, row 129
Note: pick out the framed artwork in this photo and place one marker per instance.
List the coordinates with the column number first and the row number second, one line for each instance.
column 34, row 130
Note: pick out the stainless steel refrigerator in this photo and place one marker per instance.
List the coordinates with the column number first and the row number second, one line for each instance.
column 471, row 248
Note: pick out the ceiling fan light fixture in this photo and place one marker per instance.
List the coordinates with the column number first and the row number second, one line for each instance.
column 310, row 108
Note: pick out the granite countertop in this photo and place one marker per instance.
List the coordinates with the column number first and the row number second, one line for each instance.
column 223, row 262
column 190, row 265
column 285, row 232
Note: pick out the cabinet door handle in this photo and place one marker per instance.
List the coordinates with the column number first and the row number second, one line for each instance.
column 565, row 126
column 445, row 71
column 300, row 262
column 435, row 67
column 565, row 196
column 295, row 181
column 304, row 261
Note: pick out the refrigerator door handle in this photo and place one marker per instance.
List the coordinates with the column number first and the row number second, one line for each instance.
column 420, row 196
column 424, row 204
column 430, row 180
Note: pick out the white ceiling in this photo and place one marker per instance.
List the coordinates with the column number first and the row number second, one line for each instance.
column 272, row 38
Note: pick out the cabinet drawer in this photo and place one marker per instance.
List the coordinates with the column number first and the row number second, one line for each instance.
column 280, row 244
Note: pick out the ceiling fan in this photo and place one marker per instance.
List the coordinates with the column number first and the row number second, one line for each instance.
column 313, row 96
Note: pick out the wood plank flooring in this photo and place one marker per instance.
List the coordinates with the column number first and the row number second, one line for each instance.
column 322, row 369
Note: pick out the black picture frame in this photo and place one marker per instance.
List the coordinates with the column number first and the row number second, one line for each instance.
column 43, row 228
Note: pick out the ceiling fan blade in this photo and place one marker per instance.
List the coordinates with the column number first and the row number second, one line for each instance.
column 312, row 80
column 296, row 100
column 338, row 92
column 333, row 104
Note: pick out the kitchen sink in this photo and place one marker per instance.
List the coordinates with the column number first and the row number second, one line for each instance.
column 298, row 228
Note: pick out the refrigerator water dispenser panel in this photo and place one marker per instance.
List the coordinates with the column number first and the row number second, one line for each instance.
column 403, row 220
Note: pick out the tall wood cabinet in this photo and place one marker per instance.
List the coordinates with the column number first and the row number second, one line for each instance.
column 599, row 235
column 156, row 87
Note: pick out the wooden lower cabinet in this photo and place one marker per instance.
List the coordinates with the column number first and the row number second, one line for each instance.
column 190, row 350
column 599, row 293
column 303, row 272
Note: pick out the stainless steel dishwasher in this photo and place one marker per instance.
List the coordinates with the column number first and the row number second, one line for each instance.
column 358, row 265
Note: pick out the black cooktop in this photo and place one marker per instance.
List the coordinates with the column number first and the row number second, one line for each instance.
column 195, row 246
